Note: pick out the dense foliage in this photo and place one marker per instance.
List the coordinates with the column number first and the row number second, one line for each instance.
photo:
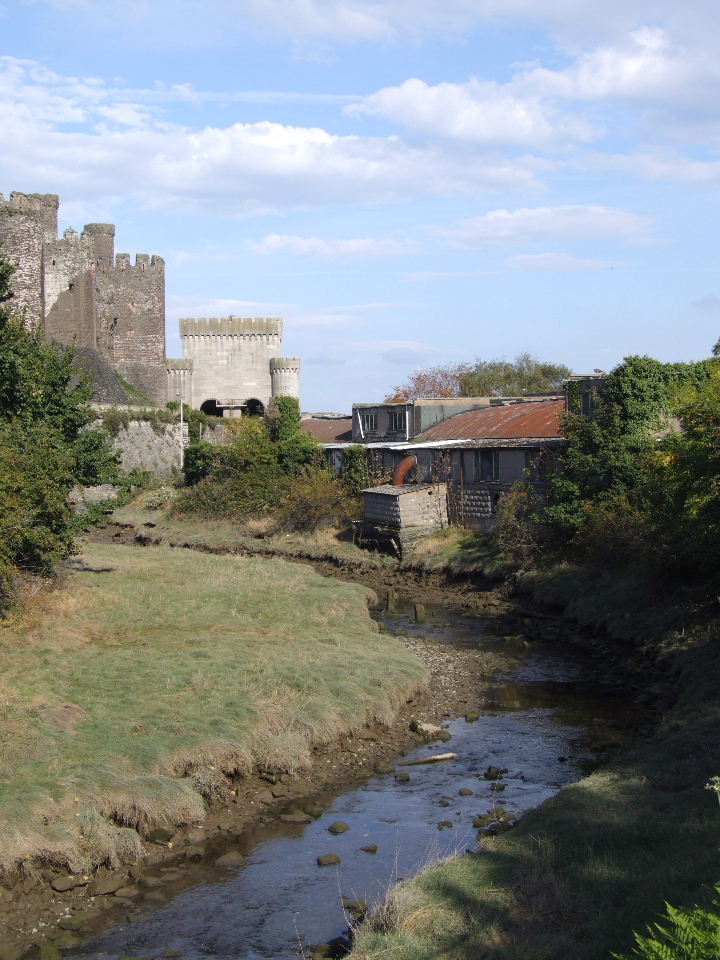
column 622, row 490
column 485, row 378
column 43, row 447
column 687, row 934
column 513, row 378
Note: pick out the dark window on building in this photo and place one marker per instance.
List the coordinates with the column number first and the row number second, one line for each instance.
column 369, row 422
column 487, row 464
column 396, row 421
column 587, row 403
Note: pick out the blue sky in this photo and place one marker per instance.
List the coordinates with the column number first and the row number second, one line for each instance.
column 407, row 183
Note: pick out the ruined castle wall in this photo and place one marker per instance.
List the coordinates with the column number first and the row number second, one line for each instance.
column 130, row 303
column 69, row 283
column 27, row 221
column 231, row 357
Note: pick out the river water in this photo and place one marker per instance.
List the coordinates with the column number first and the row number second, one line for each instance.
column 542, row 720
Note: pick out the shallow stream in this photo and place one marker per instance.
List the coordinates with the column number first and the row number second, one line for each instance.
column 543, row 720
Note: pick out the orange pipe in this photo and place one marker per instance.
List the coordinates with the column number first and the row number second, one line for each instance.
column 402, row 470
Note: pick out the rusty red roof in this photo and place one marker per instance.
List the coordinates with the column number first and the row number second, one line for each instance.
column 536, row 419
column 328, row 430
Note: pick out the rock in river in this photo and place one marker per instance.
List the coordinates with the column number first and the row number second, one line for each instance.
column 327, row 859
column 338, row 827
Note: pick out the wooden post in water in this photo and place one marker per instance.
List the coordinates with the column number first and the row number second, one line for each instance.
column 391, row 600
column 419, row 613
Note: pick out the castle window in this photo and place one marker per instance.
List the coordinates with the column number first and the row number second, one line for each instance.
column 396, row 421
column 369, row 422
column 70, row 286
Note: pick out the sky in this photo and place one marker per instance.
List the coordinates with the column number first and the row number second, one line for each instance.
column 407, row 183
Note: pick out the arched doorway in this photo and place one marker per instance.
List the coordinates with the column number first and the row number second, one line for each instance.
column 211, row 408
column 255, row 408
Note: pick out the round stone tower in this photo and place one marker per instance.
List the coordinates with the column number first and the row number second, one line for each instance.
column 285, row 376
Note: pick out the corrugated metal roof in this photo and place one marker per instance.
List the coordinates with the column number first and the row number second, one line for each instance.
column 328, row 430
column 539, row 419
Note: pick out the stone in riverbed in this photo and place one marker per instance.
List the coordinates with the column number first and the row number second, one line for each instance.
column 296, row 816
column 444, row 735
column 494, row 773
column 170, row 954
column 382, row 766
column 314, row 809
column 328, row 859
column 358, row 908
column 233, row 858
column 402, row 777
column 105, row 886
column 464, row 792
column 472, row 716
column 339, row 826
column 445, row 823
column 443, row 802
column 194, row 854
column 70, row 923
column 63, row 884
column 128, row 892
column 369, row 848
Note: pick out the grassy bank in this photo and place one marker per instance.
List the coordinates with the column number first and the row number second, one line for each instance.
column 131, row 690
column 599, row 860
column 254, row 536
column 453, row 551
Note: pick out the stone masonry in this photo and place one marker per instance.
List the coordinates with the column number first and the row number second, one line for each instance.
column 81, row 293
column 231, row 365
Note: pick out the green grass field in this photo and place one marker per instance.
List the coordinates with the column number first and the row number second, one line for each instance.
column 130, row 690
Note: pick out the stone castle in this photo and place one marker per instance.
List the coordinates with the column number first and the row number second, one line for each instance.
column 80, row 292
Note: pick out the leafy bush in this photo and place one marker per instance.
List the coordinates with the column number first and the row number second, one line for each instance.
column 36, row 475
column 95, row 460
column 517, row 532
column 355, row 467
column 689, row 934
column 316, row 499
column 198, row 460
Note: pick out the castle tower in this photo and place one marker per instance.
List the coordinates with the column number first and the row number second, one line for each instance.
column 231, row 362
column 27, row 222
column 285, row 376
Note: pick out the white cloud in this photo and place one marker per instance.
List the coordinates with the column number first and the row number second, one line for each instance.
column 478, row 111
column 197, row 23
column 645, row 66
column 332, row 249
column 556, row 261
column 69, row 136
column 531, row 224
column 660, row 165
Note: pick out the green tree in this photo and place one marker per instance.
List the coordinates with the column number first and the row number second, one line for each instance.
column 42, row 452
column 513, row 378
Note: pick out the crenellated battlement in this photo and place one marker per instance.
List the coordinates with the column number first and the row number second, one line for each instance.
column 143, row 261
column 181, row 363
column 230, row 326
column 284, row 364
